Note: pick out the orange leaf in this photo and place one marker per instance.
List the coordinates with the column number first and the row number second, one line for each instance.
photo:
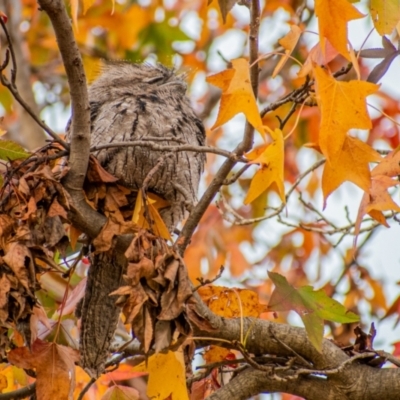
column 389, row 166
column 288, row 42
column 271, row 159
column 318, row 56
column 343, row 107
column 350, row 165
column 55, row 369
column 231, row 302
column 87, row 4
column 376, row 201
column 237, row 95
column 74, row 12
column 332, row 22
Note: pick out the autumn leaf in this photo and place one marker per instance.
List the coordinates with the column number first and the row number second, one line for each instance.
column 352, row 164
column 343, row 107
column 87, row 4
column 271, row 160
column 288, row 42
column 166, row 376
column 54, row 365
column 229, row 303
column 333, row 17
column 11, row 151
column 150, row 203
column 18, row 258
column 375, row 201
column 225, row 6
column 237, row 95
column 385, row 15
column 312, row 306
column 74, row 12
column 118, row 392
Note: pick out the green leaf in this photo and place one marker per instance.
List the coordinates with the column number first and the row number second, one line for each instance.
column 312, row 306
column 11, row 151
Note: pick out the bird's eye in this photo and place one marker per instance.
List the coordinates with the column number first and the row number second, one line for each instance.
column 154, row 79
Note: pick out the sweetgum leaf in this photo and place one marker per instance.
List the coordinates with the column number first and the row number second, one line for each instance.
column 10, row 150
column 312, row 306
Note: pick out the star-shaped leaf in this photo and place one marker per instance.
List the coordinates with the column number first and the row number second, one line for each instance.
column 352, row 164
column 313, row 307
column 271, row 160
column 237, row 95
column 343, row 107
column 333, row 17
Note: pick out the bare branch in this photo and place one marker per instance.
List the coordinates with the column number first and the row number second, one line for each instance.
column 246, row 144
column 158, row 147
column 11, row 86
column 19, row 393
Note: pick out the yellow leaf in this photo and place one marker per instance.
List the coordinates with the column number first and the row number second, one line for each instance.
column 237, row 95
column 3, row 383
column 288, row 42
column 160, row 228
column 343, row 106
column 271, row 158
column 92, row 67
column 152, row 203
column 74, row 13
column 87, row 4
column 332, row 22
column 352, row 164
column 385, row 15
column 166, row 376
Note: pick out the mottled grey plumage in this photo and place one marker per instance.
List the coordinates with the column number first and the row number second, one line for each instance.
column 133, row 102
column 136, row 101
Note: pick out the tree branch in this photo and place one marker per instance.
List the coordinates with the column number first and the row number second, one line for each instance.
column 246, row 144
column 82, row 215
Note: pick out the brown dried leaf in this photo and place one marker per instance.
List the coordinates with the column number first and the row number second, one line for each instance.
column 162, row 335
column 54, row 231
column 31, row 209
column 143, row 269
column 19, row 259
column 38, row 315
column 134, row 303
column 23, row 187
column 96, row 173
column 74, row 234
column 55, row 369
column 104, row 239
column 56, row 209
column 4, row 289
column 6, row 228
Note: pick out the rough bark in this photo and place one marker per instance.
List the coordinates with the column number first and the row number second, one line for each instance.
column 128, row 102
column 99, row 314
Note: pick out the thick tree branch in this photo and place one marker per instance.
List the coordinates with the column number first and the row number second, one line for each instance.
column 82, row 215
column 344, row 378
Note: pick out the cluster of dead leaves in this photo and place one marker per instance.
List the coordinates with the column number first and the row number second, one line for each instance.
column 154, row 299
column 33, row 208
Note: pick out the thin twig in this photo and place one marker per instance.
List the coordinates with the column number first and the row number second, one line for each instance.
column 19, row 393
column 245, row 145
column 11, row 86
column 204, row 282
column 161, row 147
